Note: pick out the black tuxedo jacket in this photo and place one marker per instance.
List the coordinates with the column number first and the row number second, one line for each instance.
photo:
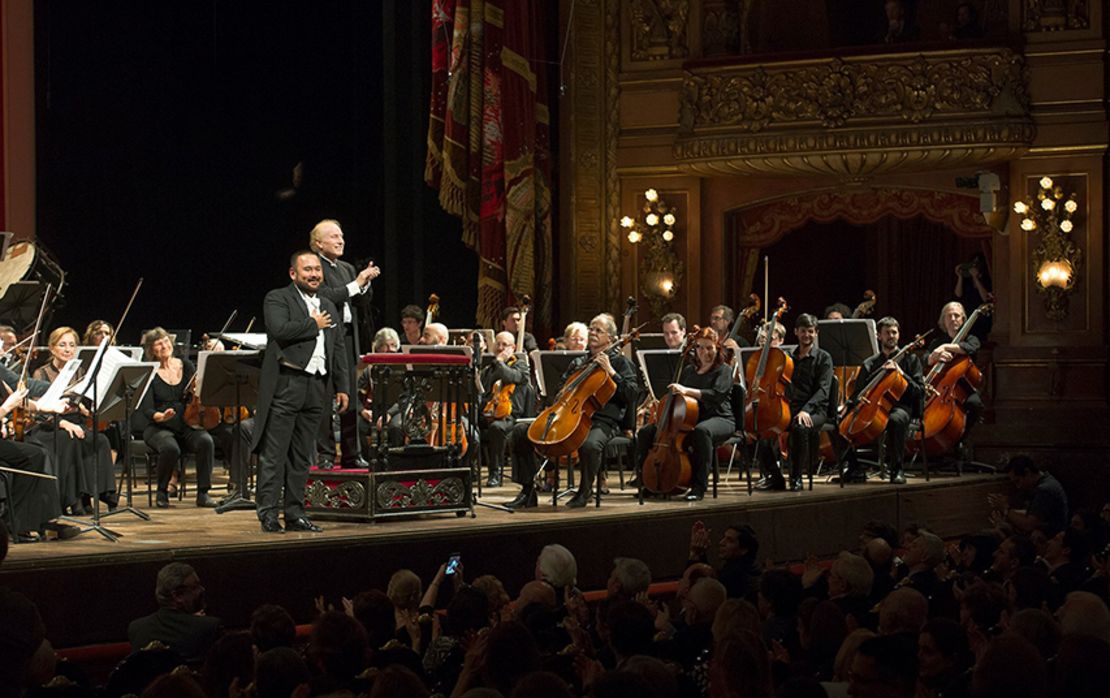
column 334, row 289
column 292, row 338
column 188, row 635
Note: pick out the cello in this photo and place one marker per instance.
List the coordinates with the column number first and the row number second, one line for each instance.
column 667, row 467
column 866, row 421
column 766, row 409
column 562, row 428
column 948, row 384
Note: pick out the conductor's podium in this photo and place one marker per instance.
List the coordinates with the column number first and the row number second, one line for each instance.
column 424, row 472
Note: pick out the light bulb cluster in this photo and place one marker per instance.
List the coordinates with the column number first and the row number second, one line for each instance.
column 1049, row 215
column 656, row 215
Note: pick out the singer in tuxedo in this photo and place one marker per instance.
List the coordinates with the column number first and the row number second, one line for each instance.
column 351, row 292
column 305, row 364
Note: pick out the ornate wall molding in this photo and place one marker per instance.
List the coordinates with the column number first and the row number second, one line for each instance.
column 855, row 116
column 1055, row 15
column 659, row 29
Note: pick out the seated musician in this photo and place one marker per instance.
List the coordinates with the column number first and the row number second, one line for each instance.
column 674, row 330
column 95, row 333
column 412, row 324
column 503, row 371
column 809, row 395
column 575, row 336
column 10, row 354
column 83, row 457
column 32, row 502
column 721, row 318
column 898, row 424
column 838, row 311
column 709, row 381
column 162, row 418
column 510, row 322
column 943, row 349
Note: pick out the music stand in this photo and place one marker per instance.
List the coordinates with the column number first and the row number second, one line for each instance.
column 850, row 342
column 230, row 379
column 651, row 340
column 658, row 366
column 19, row 306
column 125, row 391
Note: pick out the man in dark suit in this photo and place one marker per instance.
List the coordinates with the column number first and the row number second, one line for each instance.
column 305, row 364
column 351, row 292
column 179, row 621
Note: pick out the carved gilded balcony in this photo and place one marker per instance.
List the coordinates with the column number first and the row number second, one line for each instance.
column 855, row 116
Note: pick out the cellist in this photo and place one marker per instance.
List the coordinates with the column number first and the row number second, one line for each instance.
column 898, row 424
column 501, row 373
column 809, row 394
column 709, row 381
column 952, row 318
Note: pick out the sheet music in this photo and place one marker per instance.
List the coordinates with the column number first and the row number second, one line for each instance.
column 112, row 358
column 247, row 340
column 51, row 400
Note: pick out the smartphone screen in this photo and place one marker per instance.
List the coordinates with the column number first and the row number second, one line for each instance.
column 452, row 563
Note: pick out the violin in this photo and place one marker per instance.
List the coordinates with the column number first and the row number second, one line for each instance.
column 500, row 405
column 20, row 416
column 866, row 421
column 562, row 428
column 667, row 467
column 948, row 384
column 766, row 408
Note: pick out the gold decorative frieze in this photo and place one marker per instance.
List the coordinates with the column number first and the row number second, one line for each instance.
column 1055, row 15
column 855, row 116
column 659, row 29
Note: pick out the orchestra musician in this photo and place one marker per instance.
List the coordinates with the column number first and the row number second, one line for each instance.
column 510, row 322
column 8, row 342
column 674, row 330
column 809, row 394
column 508, row 372
column 608, row 421
column 385, row 341
column 82, row 456
column 838, row 311
column 412, row 324
column 767, row 450
column 575, row 336
column 161, row 419
column 952, row 318
column 96, row 331
column 33, row 501
column 721, row 318
column 898, row 423
column 350, row 291
column 305, row 363
column 709, row 381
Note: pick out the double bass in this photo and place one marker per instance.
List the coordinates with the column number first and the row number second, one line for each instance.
column 562, row 428
column 667, row 467
column 948, row 384
column 766, row 409
column 866, row 421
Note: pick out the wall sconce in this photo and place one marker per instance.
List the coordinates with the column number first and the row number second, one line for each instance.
column 654, row 228
column 1056, row 259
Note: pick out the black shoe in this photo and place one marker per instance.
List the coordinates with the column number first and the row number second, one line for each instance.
column 898, row 478
column 525, row 500
column 111, row 499
column 796, row 485
column 203, row 500
column 162, row 500
column 270, row 525
column 77, row 509
column 694, row 496
column 493, row 481
column 855, row 476
column 61, row 530
column 325, row 461
column 580, row 500
column 634, row 483
column 772, row 484
column 357, row 464
column 302, row 524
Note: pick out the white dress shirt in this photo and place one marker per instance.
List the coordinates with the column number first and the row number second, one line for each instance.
column 353, row 289
column 318, row 364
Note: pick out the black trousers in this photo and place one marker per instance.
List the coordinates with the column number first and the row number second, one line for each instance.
column 33, row 500
column 494, row 437
column 592, row 451
column 805, row 445
column 169, row 447
column 974, row 406
column 897, row 429
column 705, row 437
column 523, row 454
column 288, row 443
column 237, row 452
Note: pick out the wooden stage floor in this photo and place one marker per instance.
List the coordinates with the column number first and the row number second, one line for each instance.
column 230, row 552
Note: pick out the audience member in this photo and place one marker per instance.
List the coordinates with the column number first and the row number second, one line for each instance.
column 272, row 626
column 179, row 622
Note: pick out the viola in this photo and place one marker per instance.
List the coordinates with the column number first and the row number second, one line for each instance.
column 766, row 408
column 500, row 405
column 866, row 421
column 667, row 467
column 948, row 385
column 562, row 428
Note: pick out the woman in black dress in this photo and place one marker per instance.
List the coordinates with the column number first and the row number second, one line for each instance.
column 709, row 381
column 162, row 418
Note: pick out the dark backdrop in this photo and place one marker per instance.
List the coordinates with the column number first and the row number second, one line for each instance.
column 167, row 137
